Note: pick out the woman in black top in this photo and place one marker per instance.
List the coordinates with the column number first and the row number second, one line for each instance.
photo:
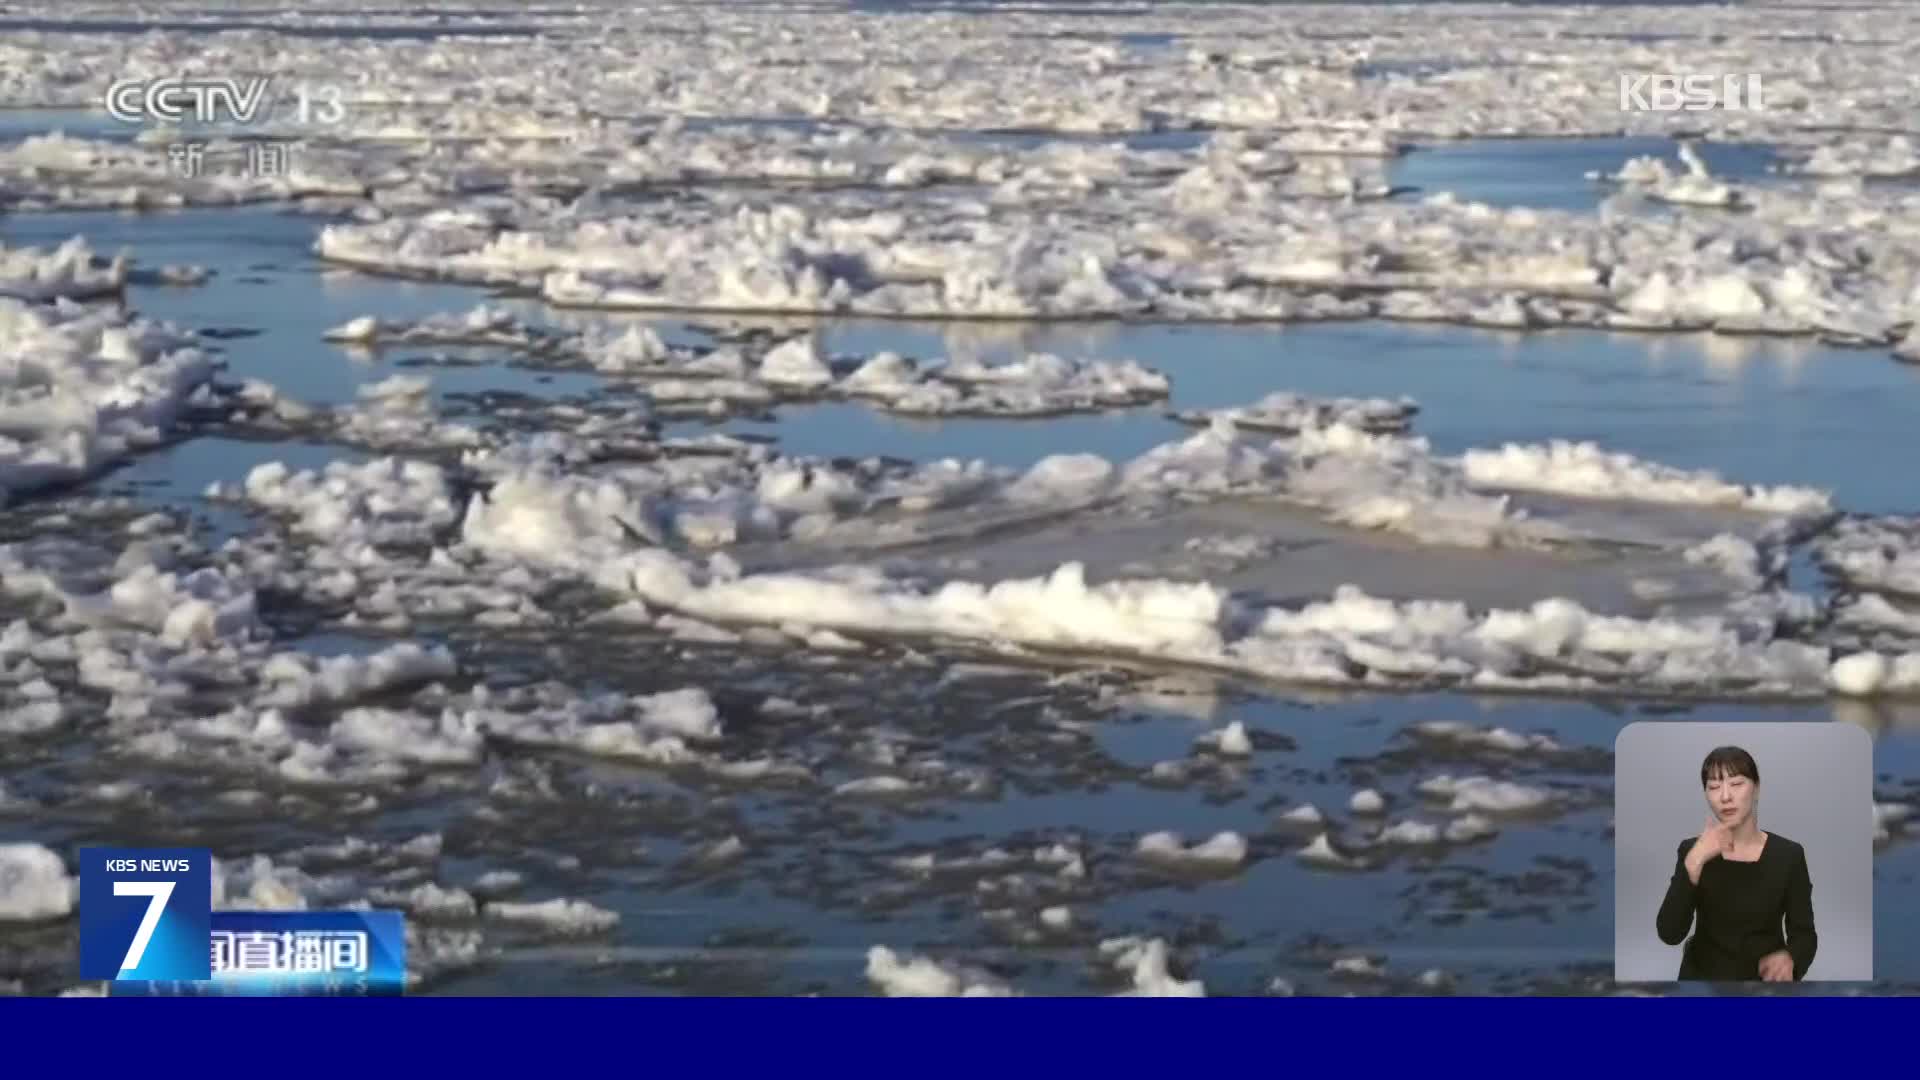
column 1735, row 886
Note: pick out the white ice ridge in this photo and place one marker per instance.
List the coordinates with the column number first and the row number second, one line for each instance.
column 1145, row 961
column 1381, row 482
column 1396, row 483
column 83, row 388
column 1287, row 412
column 559, row 915
column 1696, row 186
column 1391, row 73
column 71, row 270
column 57, row 171
column 923, row 976
column 34, row 884
column 1878, row 553
column 1348, row 639
column 1873, row 157
column 715, row 381
column 1837, row 261
column 1224, row 849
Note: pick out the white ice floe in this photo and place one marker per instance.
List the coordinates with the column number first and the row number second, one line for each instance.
column 1367, row 801
column 394, row 735
column 1039, row 384
column 71, row 270
column 1321, row 852
column 1584, row 469
column 1387, row 78
column 1435, row 979
column 296, row 679
column 922, row 976
column 398, row 413
column 497, row 882
column 559, row 915
column 1287, row 412
column 34, row 884
column 1304, row 814
column 1222, row 850
column 258, row 883
column 1779, row 268
column 1696, row 186
column 1070, row 863
column 1875, row 613
column 1889, row 818
column 1145, row 961
column 876, row 786
column 1364, row 967
column 1410, row 833
column 1351, row 637
column 429, row 901
column 1231, row 740
column 1891, row 157
column 1874, row 553
column 1058, row 917
column 1486, row 794
column 390, row 500
column 84, row 388
column 1486, row 738
column 1469, row 827
column 200, row 607
column 726, row 849
column 661, row 729
column 56, row 171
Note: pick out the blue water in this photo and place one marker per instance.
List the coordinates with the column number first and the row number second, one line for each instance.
column 1757, row 410
column 1551, row 173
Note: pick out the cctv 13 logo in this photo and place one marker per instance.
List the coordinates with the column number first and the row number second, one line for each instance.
column 146, row 913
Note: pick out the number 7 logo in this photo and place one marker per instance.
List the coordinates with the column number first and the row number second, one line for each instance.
column 157, row 893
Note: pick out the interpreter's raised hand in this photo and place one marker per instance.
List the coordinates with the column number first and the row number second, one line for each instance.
column 1714, row 841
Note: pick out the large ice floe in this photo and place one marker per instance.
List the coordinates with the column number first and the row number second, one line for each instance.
column 1834, row 261
column 894, row 183
column 601, row 528
column 708, row 382
column 83, row 388
column 1389, row 76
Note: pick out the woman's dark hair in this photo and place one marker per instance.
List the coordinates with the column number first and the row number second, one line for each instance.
column 1728, row 761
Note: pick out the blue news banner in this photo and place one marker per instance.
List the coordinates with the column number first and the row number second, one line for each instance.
column 148, row 926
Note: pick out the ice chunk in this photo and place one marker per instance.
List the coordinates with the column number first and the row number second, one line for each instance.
column 1223, row 850
column 1583, row 469
column 1874, row 553
column 84, row 388
column 559, row 915
column 1489, row 738
column 1146, row 963
column 71, row 270
column 875, row 785
column 1486, row 794
column 34, row 884
column 1321, row 852
column 1410, row 833
column 1231, row 740
column 1304, row 814
column 1289, row 413
column 429, row 901
column 921, row 976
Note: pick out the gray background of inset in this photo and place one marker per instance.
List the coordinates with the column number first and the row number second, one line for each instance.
column 1816, row 788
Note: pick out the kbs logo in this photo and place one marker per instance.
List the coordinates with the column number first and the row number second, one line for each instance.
column 1689, row 93
column 146, row 913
